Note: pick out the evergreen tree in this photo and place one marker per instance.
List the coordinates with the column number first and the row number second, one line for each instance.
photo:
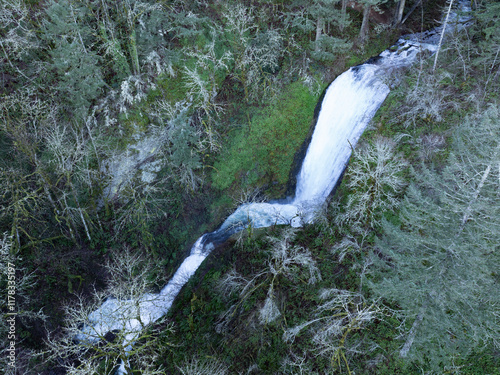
column 180, row 143
column 368, row 6
column 107, row 32
column 488, row 27
column 441, row 260
column 327, row 46
column 78, row 76
column 321, row 17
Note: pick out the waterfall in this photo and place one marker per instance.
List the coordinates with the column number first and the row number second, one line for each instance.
column 349, row 104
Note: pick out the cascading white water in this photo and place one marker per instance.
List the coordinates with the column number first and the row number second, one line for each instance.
column 349, row 104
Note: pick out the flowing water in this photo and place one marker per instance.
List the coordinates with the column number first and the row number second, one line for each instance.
column 349, row 104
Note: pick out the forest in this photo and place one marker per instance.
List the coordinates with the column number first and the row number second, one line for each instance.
column 128, row 128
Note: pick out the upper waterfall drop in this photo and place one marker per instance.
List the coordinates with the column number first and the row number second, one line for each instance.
column 349, row 104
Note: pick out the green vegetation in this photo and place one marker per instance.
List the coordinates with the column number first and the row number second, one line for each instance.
column 262, row 152
column 140, row 124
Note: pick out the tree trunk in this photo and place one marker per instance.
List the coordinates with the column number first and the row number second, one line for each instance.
column 442, row 35
column 411, row 10
column 363, row 32
column 78, row 29
column 476, row 194
column 343, row 15
column 133, row 52
column 399, row 12
column 411, row 336
column 319, row 32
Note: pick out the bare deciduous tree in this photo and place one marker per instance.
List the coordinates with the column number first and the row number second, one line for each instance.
column 341, row 314
column 114, row 329
column 203, row 367
column 253, row 52
column 285, row 260
column 375, row 181
column 18, row 37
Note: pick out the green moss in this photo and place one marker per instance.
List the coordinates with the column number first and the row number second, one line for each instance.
column 170, row 88
column 262, row 153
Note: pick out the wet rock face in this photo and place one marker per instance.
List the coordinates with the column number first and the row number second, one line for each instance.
column 139, row 160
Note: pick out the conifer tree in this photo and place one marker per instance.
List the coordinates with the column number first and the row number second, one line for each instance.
column 325, row 13
column 321, row 17
column 442, row 258
column 488, row 29
column 79, row 78
column 368, row 6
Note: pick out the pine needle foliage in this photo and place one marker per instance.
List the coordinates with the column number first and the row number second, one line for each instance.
column 441, row 262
